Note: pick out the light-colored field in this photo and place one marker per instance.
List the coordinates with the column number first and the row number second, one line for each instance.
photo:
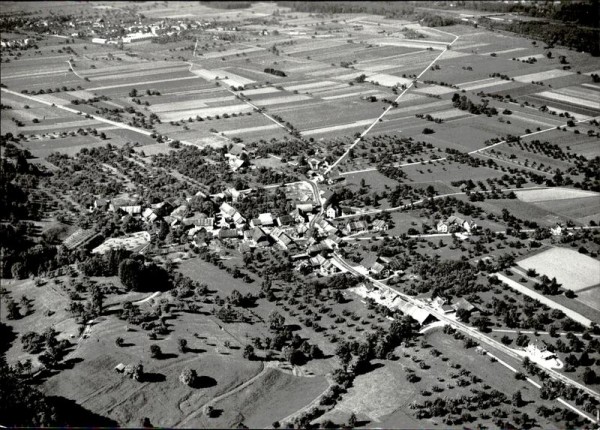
column 484, row 83
column 259, row 91
column 437, row 90
column 388, row 80
column 541, row 76
column 252, row 129
column 532, row 196
column 573, row 270
column 355, row 124
column 579, row 101
column 204, row 112
column 527, row 57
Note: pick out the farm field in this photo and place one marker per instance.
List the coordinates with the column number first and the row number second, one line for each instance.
column 577, row 271
column 276, row 159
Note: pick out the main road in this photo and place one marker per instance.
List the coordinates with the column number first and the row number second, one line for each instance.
column 474, row 333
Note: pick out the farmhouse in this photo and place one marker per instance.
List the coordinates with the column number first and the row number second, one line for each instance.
column 380, row 225
column 557, row 230
column 455, row 224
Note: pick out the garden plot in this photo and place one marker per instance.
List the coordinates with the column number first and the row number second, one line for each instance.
column 191, row 104
column 567, row 96
column 482, row 83
column 406, row 43
column 228, row 77
column 204, row 112
column 388, row 80
column 120, row 76
column 230, row 52
column 311, row 85
column 339, row 127
column 575, row 271
column 292, row 98
column 436, row 90
column 542, row 76
column 533, row 196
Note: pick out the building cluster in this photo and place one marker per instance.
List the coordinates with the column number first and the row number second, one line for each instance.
column 308, row 235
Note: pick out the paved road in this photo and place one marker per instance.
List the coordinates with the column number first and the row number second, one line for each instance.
column 474, row 333
column 544, row 299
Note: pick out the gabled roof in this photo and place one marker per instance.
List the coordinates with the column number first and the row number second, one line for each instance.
column 227, row 209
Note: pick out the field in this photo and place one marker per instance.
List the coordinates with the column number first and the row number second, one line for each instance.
column 221, row 98
column 576, row 271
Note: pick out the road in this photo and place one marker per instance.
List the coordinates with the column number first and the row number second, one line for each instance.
column 543, row 299
column 408, row 87
column 318, row 201
column 117, row 124
column 470, row 331
column 476, row 151
column 441, row 196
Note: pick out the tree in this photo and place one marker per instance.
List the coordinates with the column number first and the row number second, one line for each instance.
column 130, row 273
column 12, row 310
column 119, row 341
column 155, row 351
column 589, row 376
column 249, row 352
column 276, row 321
column 352, row 421
column 182, row 345
column 517, row 399
column 188, row 377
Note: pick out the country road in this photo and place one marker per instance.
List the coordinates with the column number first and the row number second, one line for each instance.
column 474, row 333
column 380, row 117
column 96, row 117
column 476, row 151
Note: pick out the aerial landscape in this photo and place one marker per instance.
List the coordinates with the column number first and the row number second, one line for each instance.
column 295, row 214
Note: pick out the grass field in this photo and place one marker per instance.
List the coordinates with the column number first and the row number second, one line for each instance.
column 162, row 398
column 576, row 271
column 271, row 397
column 534, row 196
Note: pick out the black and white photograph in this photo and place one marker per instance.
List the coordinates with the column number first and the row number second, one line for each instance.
column 300, row 214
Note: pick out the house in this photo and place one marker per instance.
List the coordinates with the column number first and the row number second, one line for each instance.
column 285, row 220
column 237, row 163
column 328, row 268
column 227, row 233
column 126, row 204
column 101, row 204
column 149, row 215
column 442, row 227
column 456, row 224
column 441, row 304
column 332, row 212
column 464, row 304
column 376, row 265
column 380, row 225
column 557, row 230
column 120, row 367
column 227, row 211
column 259, row 237
column 355, row 227
column 285, row 241
column 81, row 237
column 180, row 212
